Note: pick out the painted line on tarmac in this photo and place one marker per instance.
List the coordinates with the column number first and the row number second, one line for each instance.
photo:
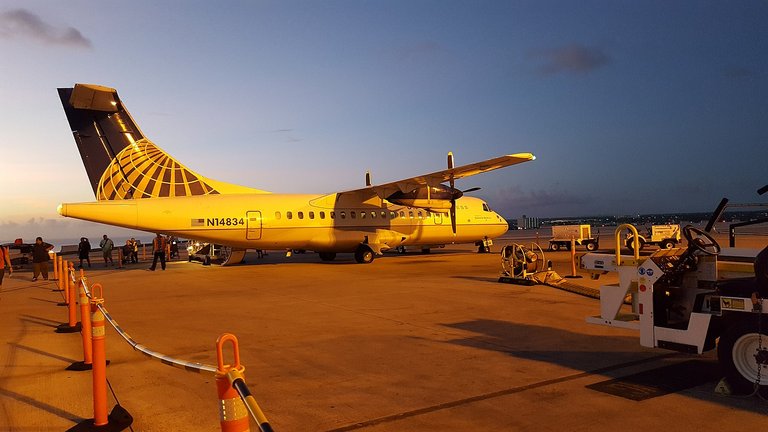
column 496, row 394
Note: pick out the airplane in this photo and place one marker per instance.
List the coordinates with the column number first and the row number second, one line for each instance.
column 139, row 186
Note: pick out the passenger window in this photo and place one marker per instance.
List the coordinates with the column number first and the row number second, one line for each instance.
column 410, row 214
column 402, row 214
column 373, row 215
column 343, row 215
column 322, row 215
column 333, row 215
column 362, row 215
column 289, row 215
column 300, row 215
column 392, row 215
column 352, row 214
column 421, row 215
column 311, row 215
column 277, row 215
column 383, row 214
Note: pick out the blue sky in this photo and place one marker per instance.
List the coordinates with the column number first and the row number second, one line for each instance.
column 629, row 106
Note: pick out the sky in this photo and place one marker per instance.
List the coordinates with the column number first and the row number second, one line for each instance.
column 631, row 107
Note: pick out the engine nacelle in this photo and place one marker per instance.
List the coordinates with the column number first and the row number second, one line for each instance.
column 436, row 198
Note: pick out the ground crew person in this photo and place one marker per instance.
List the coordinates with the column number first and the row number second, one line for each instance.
column 40, row 258
column 158, row 248
column 5, row 261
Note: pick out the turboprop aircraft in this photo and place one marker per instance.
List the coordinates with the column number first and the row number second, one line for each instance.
column 139, row 186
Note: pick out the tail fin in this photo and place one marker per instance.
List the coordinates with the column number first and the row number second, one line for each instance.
column 120, row 161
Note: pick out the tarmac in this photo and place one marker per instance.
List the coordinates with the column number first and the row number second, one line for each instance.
column 412, row 342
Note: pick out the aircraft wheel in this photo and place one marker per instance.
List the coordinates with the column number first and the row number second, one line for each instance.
column 668, row 244
column 327, row 256
column 591, row 246
column 364, row 255
column 554, row 247
column 740, row 356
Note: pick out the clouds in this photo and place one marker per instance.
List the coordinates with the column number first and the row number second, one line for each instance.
column 516, row 200
column 21, row 23
column 573, row 58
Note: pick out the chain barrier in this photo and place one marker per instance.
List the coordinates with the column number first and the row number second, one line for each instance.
column 227, row 376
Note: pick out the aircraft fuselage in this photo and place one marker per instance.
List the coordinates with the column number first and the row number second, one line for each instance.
column 288, row 221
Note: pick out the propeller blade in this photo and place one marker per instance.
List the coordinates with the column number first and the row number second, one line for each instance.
column 471, row 190
column 453, row 216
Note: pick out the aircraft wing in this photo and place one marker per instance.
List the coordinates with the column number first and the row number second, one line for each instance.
column 438, row 177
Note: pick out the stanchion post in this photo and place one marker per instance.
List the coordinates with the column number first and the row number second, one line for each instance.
column 85, row 319
column 143, row 252
column 65, row 278
column 68, row 272
column 55, row 266
column 72, row 285
column 119, row 257
column 573, row 259
column 98, row 322
column 233, row 415
column 61, row 274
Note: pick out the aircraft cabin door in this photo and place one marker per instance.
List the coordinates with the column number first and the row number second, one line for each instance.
column 438, row 218
column 253, row 225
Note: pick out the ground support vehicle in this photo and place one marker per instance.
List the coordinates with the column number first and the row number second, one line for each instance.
column 664, row 236
column 685, row 299
column 562, row 235
column 209, row 253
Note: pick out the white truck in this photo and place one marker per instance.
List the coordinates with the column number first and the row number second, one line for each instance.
column 692, row 300
column 580, row 234
column 664, row 236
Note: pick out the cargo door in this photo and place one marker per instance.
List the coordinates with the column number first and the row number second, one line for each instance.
column 253, row 225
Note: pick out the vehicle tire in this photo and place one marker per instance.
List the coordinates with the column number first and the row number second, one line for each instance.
column 189, row 257
column 591, row 246
column 327, row 256
column 207, row 260
column 425, row 250
column 737, row 352
column 631, row 245
column 364, row 255
column 668, row 244
column 554, row 247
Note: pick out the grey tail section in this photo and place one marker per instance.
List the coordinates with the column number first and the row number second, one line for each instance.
column 101, row 126
column 120, row 161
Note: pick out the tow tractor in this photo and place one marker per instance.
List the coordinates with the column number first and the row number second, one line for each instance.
column 664, row 236
column 692, row 300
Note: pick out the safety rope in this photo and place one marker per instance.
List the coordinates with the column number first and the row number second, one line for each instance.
column 165, row 359
column 240, row 386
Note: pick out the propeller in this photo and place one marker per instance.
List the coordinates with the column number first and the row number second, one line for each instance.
column 453, row 197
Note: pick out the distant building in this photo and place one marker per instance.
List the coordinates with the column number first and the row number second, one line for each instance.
column 528, row 222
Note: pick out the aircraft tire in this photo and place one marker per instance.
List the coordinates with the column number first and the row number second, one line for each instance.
column 327, row 256
column 364, row 255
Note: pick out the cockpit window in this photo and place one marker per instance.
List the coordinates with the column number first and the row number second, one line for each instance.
column 485, row 207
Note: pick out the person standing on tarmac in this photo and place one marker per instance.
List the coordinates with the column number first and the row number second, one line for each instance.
column 106, row 249
column 83, row 251
column 40, row 258
column 159, row 244
column 5, row 262
column 134, row 251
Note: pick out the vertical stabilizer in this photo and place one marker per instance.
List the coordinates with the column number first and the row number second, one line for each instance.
column 120, row 161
